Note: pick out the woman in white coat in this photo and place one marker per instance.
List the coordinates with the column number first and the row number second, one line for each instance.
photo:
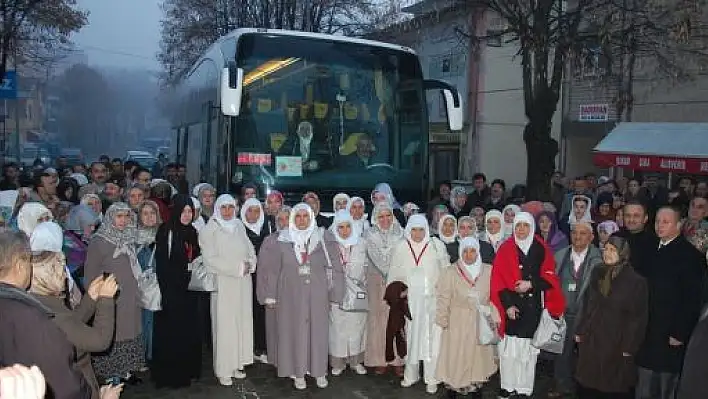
column 347, row 321
column 417, row 262
column 229, row 254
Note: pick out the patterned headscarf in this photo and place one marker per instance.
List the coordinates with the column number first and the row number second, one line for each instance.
column 122, row 239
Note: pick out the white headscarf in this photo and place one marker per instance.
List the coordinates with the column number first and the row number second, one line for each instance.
column 80, row 178
column 508, row 228
column 29, row 215
column 587, row 217
column 441, row 222
column 494, row 239
column 198, row 224
column 196, row 189
column 417, row 221
column 363, row 223
column 340, row 197
column 341, row 217
column 525, row 244
column 475, row 268
column 385, row 188
column 258, row 225
column 301, row 238
column 228, row 225
column 47, row 236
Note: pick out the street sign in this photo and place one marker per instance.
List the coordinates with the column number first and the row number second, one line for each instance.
column 8, row 86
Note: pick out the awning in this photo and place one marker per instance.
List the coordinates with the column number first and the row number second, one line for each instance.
column 655, row 147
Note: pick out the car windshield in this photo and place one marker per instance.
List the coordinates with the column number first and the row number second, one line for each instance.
column 321, row 113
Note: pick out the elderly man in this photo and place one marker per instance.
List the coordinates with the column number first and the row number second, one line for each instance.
column 675, row 273
column 574, row 266
column 28, row 335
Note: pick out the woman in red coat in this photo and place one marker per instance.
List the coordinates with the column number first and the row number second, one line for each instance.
column 523, row 283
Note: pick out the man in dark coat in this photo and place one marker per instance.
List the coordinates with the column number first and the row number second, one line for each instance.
column 641, row 238
column 674, row 274
column 695, row 368
column 28, row 335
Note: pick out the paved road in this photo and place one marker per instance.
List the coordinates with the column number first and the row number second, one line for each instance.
column 262, row 383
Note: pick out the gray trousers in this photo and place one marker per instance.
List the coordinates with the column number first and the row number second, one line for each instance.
column 564, row 365
column 656, row 385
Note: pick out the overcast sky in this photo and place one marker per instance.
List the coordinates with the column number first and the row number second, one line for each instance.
column 121, row 33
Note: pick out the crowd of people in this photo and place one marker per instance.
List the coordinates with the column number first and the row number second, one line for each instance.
column 107, row 273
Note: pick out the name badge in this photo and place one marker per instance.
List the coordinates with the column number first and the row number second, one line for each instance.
column 361, row 295
column 572, row 287
column 304, row 270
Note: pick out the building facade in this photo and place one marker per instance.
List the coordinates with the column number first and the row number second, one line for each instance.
column 489, row 79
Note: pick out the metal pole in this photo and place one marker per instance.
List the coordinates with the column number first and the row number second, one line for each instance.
column 17, row 109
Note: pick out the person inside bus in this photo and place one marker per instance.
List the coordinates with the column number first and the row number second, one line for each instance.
column 363, row 156
column 303, row 144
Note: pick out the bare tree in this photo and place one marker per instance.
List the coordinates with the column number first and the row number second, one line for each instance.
column 34, row 30
column 190, row 26
column 550, row 33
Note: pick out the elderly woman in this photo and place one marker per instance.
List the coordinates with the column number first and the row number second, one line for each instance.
column 304, row 275
column 380, row 240
column 611, row 325
column 462, row 292
column 523, row 284
column 417, row 262
column 509, row 213
column 357, row 209
column 30, row 215
column 347, row 321
column 112, row 250
column 383, row 193
column 148, row 222
column 340, row 202
column 467, row 227
column 206, row 194
column 177, row 348
column 447, row 233
column 229, row 254
column 49, row 287
column 93, row 201
column 253, row 218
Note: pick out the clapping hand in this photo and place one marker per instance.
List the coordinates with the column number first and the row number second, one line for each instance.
column 109, row 287
column 111, row 391
column 522, row 286
column 94, row 289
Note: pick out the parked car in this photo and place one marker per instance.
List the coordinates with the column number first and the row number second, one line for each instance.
column 143, row 158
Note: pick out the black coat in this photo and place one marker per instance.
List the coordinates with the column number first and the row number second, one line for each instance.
column 28, row 336
column 674, row 276
column 695, row 367
column 642, row 247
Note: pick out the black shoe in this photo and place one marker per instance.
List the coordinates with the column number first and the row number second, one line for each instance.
column 504, row 394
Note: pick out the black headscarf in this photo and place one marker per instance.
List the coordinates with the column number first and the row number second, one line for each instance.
column 609, row 272
column 183, row 236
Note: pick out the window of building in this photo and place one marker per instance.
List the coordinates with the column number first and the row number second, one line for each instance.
column 447, row 65
column 591, row 60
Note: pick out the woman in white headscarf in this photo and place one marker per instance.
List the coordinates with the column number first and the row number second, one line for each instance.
column 417, row 262
column 356, row 209
column 347, row 321
column 447, row 233
column 380, row 240
column 253, row 218
column 304, row 274
column 229, row 254
column 509, row 213
column 493, row 233
column 462, row 292
column 467, row 227
column 340, row 202
column 48, row 286
column 31, row 214
column 523, row 283
column 383, row 193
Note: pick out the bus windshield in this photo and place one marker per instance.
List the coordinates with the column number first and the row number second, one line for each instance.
column 321, row 114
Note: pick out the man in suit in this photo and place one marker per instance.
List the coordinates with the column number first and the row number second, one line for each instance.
column 574, row 266
column 675, row 274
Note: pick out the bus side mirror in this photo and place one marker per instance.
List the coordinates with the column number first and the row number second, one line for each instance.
column 453, row 102
column 454, row 110
column 231, row 90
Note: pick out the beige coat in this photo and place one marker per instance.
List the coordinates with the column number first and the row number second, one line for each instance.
column 462, row 361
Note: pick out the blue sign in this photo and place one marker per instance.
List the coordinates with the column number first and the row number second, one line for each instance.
column 8, row 86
